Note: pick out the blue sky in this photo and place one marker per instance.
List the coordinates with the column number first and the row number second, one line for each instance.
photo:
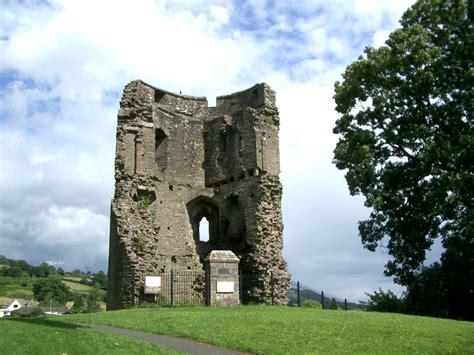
column 63, row 66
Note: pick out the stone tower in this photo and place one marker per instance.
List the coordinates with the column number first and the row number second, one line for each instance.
column 179, row 161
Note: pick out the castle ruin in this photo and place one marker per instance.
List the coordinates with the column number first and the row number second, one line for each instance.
column 179, row 161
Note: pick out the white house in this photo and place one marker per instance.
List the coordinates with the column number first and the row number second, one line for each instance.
column 14, row 306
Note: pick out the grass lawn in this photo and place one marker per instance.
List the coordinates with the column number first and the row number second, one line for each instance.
column 46, row 336
column 266, row 329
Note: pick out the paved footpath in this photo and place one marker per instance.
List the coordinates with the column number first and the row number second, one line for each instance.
column 180, row 344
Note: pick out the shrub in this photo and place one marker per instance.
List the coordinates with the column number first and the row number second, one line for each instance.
column 86, row 282
column 79, row 305
column 385, row 302
column 310, row 304
column 32, row 312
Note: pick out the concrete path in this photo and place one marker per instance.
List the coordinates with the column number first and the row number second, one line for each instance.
column 180, row 344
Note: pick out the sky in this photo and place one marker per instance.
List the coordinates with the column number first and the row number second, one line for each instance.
column 63, row 66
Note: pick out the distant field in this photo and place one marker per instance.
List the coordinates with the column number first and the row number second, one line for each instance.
column 72, row 278
column 16, row 288
column 45, row 336
column 22, row 288
column 75, row 286
column 266, row 329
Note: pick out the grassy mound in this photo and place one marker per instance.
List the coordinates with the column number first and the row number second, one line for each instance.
column 265, row 329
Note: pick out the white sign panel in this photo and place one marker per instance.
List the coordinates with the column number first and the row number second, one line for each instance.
column 152, row 281
column 225, row 286
column 152, row 284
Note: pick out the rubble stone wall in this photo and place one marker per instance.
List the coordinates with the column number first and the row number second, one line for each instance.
column 179, row 161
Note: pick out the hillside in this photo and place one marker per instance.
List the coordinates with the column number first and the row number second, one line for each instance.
column 18, row 276
column 307, row 293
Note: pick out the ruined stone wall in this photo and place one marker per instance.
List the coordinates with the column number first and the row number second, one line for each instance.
column 178, row 161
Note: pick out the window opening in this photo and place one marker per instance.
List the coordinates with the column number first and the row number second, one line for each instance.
column 161, row 149
column 159, row 95
column 204, row 230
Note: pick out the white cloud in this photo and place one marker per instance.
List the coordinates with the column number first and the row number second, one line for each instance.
column 379, row 38
column 68, row 227
column 220, row 14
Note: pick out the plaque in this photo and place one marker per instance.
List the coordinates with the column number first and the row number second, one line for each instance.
column 225, row 287
column 152, row 284
column 223, row 271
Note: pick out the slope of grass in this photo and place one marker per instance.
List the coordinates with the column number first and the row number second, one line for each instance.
column 76, row 286
column 46, row 336
column 296, row 330
column 12, row 287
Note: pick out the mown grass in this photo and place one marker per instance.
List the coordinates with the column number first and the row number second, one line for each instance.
column 51, row 336
column 265, row 329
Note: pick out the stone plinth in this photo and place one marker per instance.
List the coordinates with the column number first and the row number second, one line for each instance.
column 223, row 278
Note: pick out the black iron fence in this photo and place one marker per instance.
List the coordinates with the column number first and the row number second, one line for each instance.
column 175, row 288
column 191, row 288
column 301, row 295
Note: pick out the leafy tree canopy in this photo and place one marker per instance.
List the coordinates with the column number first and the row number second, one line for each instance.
column 51, row 288
column 43, row 270
column 406, row 136
column 101, row 278
column 385, row 302
column 79, row 304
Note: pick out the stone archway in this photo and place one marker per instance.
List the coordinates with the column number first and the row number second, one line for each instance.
column 199, row 208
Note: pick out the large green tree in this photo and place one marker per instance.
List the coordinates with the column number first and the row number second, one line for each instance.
column 101, row 278
column 407, row 140
column 51, row 289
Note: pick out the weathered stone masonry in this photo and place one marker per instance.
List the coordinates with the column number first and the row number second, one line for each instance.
column 178, row 161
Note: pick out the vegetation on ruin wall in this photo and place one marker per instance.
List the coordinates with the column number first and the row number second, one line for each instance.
column 267, row 329
column 47, row 336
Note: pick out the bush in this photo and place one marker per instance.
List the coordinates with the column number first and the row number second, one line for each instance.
column 79, row 305
column 86, row 282
column 385, row 302
column 311, row 304
column 32, row 312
